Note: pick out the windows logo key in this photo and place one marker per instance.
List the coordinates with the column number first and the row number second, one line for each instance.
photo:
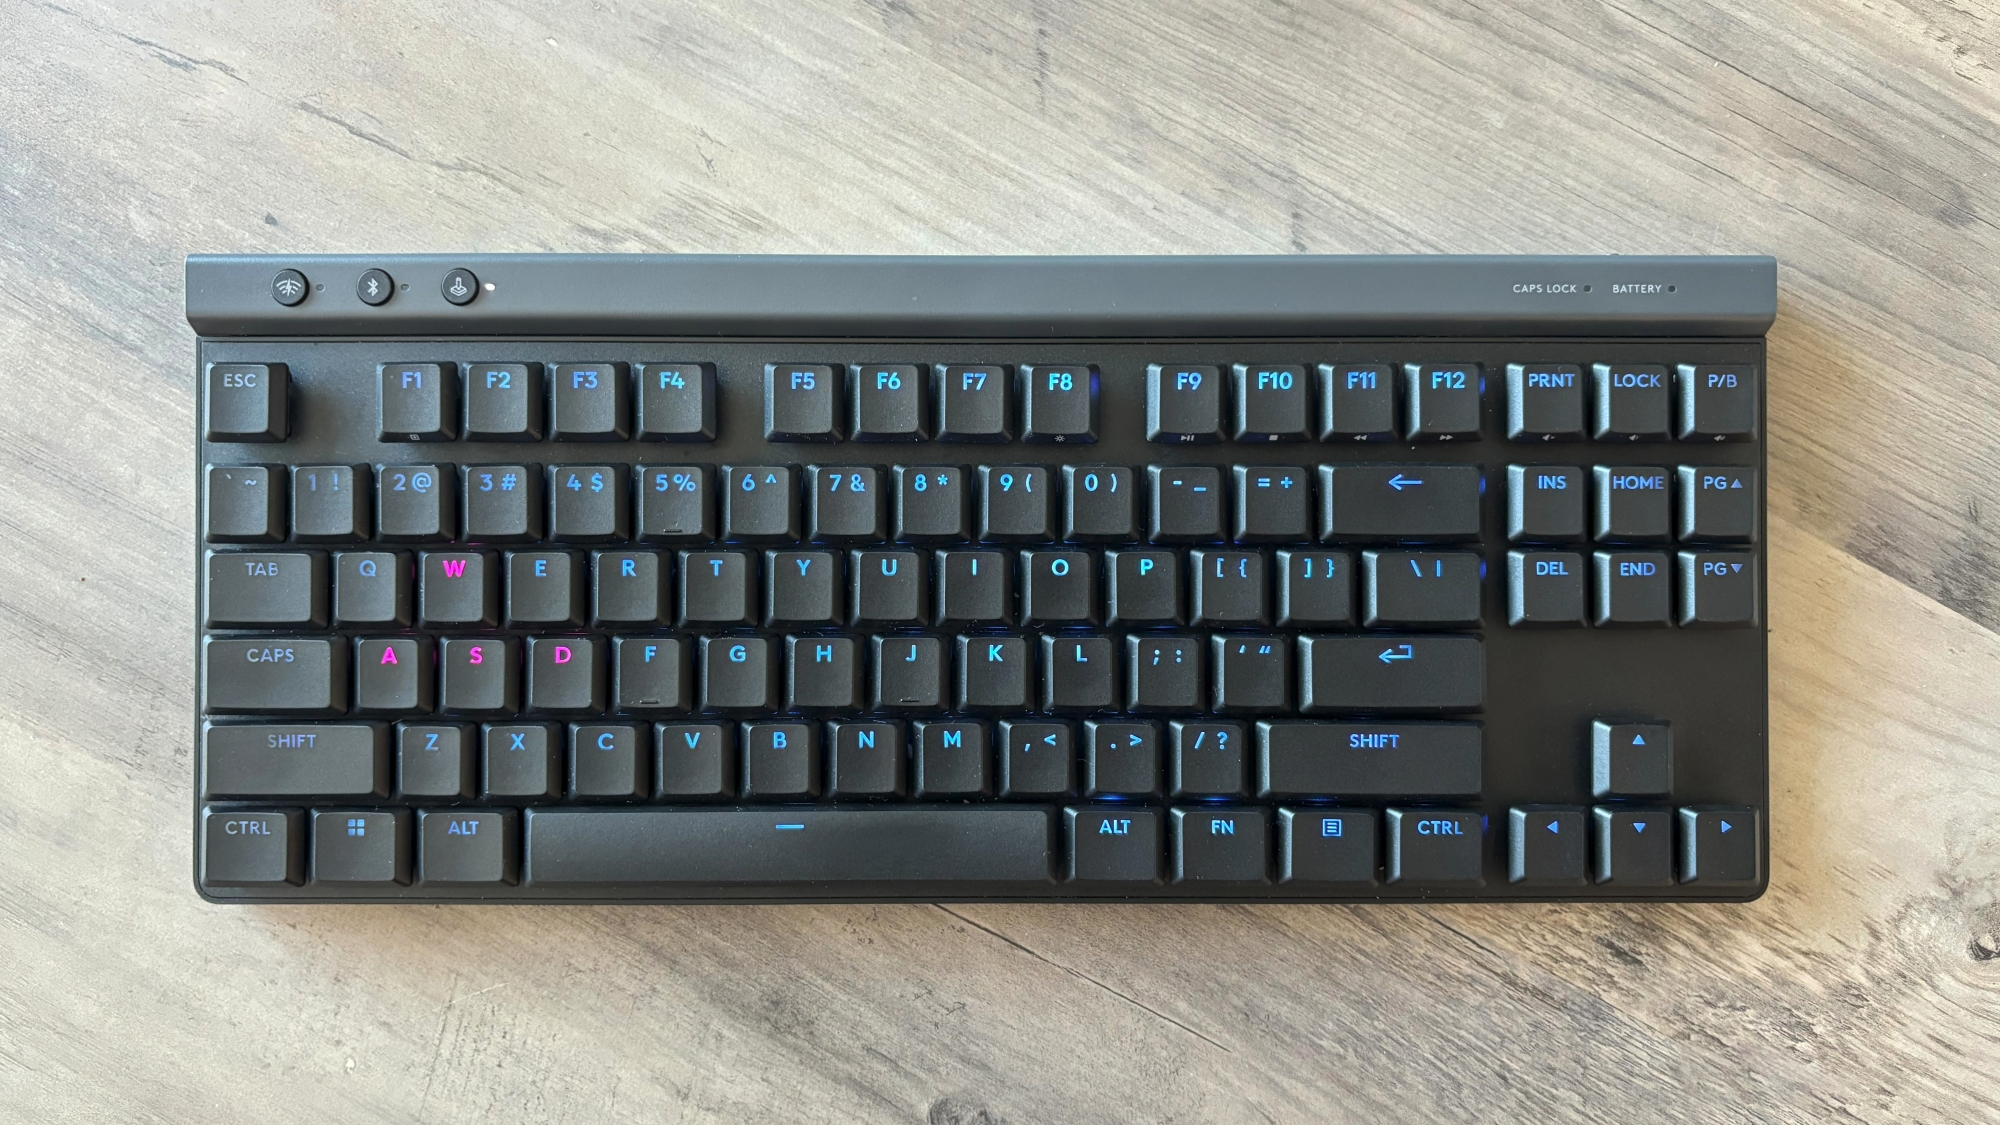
column 357, row 826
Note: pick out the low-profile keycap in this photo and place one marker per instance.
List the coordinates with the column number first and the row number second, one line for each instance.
column 461, row 847
column 1272, row 403
column 458, row 588
column 566, row 674
column 265, row 589
column 886, row 402
column 1635, row 847
column 694, row 759
column 1037, row 759
column 1187, row 503
column 329, row 503
column 1143, row 588
column 1219, row 846
column 759, row 502
column 609, row 761
column 501, row 503
column 294, row 760
column 1545, row 846
column 415, row 503
column 273, row 675
column 543, row 588
column 1717, row 403
column 1630, row 588
column 1015, row 503
column 1631, row 504
column 1434, row 847
column 651, row 674
column 1183, row 404
column 1718, row 588
column 247, row 401
column 253, row 848
column 801, row 402
column 436, row 760
column 1544, row 503
column 1100, row 504
column 845, row 504
column 1718, row 504
column 675, row 504
column 972, row 404
column 1399, row 502
column 865, row 759
column 1544, row 402
column 628, row 588
column 1079, row 674
column 479, row 675
column 1207, row 760
column 1719, row 845
column 1420, row 589
column 822, row 674
column 676, row 401
column 371, row 588
column 1357, row 402
column 1442, row 401
column 245, row 504
column 738, row 674
column 1368, row 759
column 908, row 673
column 393, row 675
column 1545, row 588
column 589, row 402
column 1273, row 504
column 949, row 759
column 503, row 402
column 1059, row 404
column 419, row 402
column 1115, row 845
column 587, row 503
column 993, row 673
column 361, row 849
column 888, row 588
column 1326, row 847
column 932, row 503
column 1315, row 589
column 802, row 589
column 1390, row 673
column 521, row 761
column 1629, row 402
column 732, row 847
column 1631, row 759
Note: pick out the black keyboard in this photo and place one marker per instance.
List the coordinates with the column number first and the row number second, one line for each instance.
column 685, row 579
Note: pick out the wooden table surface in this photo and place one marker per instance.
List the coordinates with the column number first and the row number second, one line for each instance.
column 1857, row 140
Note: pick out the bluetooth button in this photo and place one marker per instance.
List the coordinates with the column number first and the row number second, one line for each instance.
column 460, row 287
column 289, row 287
column 375, row 288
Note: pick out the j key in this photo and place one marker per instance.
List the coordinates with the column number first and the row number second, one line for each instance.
column 801, row 402
column 458, row 588
column 1326, row 846
column 1718, row 588
column 822, row 674
column 676, row 401
column 544, row 588
column 264, row 589
column 1187, row 503
column 566, row 674
column 467, row 847
column 414, row 503
column 1544, row 503
column 1628, row 402
column 1635, row 847
column 1219, row 846
column 651, row 674
column 972, row 404
column 587, row 503
column 1718, row 504
column 801, row 589
column 1419, row 588
column 865, row 760
column 1717, row 403
column 674, row 504
column 694, row 759
column 245, row 504
column 436, row 760
column 1545, row 846
column 1112, row 845
column 1206, row 760
column 1719, row 845
column 1183, row 404
column 1368, row 759
column 759, row 503
column 361, row 849
column 844, row 504
column 1036, row 760
column 1631, row 504
column 1058, row 404
column 1099, row 504
column 715, row 589
column 1079, row 674
column 1544, row 402
column 780, row 761
column 1123, row 760
column 1390, row 673
column 1357, row 402
column 1230, row 588
column 1058, row 588
column 268, row 675
column 1252, row 674
column 950, row 760
column 1273, row 504
column 503, row 503
column 887, row 588
column 419, row 402
column 1271, row 403
column 521, row 761
column 739, row 674
column 974, row 588
column 1000, row 846
column 608, row 761
column 329, row 503
column 1630, row 588
column 253, row 849
column 1142, row 588
column 1014, row 504
column 589, row 402
column 1443, row 401
column 371, row 589
column 992, row 674
column 1545, row 588
column 1631, row 759
column 1401, row 502
column 908, row 674
column 1434, row 847
column 932, row 503
column 627, row 588
column 1315, row 589
column 1165, row 674
column 503, row 402
column 294, row 760
column 886, row 402
column 247, row 401
column 392, row 675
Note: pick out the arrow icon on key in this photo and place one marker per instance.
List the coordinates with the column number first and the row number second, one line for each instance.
column 1400, row 652
column 1399, row 482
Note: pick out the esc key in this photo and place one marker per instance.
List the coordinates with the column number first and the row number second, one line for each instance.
column 246, row 401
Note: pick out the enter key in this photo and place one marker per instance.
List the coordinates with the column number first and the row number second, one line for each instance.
column 1388, row 672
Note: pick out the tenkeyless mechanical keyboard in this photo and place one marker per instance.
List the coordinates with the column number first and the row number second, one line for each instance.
column 684, row 579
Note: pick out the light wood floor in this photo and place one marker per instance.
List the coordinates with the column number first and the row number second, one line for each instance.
column 1857, row 140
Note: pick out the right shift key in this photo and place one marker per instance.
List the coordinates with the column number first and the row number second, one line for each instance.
column 1717, row 403
column 1404, row 503
column 1387, row 672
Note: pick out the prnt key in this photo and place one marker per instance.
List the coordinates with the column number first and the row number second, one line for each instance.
column 1544, row 402
column 244, row 505
column 247, row 401
column 419, row 402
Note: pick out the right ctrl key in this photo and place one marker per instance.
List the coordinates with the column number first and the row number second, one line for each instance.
column 1720, row 845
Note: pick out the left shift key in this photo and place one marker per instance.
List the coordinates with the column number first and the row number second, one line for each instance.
column 265, row 589
column 274, row 675
column 295, row 760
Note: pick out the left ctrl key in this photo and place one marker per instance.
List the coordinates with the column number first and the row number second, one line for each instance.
column 247, row 402
column 253, row 849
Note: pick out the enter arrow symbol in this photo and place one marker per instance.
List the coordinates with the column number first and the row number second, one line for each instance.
column 1399, row 482
column 1400, row 652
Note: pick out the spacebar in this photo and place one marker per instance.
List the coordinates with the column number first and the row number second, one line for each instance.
column 998, row 844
